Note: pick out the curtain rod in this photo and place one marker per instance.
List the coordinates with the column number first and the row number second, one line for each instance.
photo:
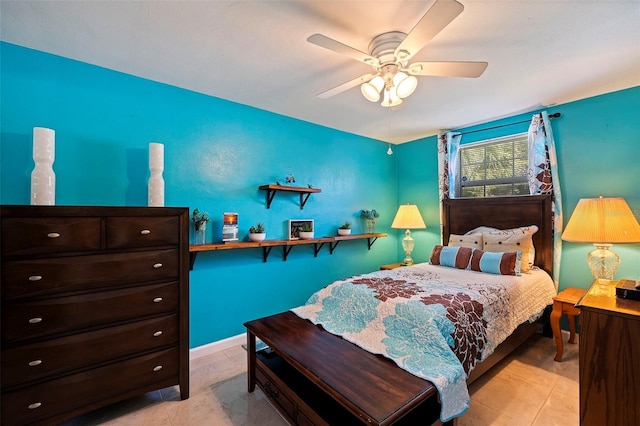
column 551, row 116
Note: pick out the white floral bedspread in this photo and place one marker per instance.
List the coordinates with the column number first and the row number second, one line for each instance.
column 432, row 321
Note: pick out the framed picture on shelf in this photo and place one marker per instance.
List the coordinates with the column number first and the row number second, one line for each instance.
column 295, row 226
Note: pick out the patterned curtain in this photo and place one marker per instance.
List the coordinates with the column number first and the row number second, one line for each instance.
column 448, row 159
column 543, row 177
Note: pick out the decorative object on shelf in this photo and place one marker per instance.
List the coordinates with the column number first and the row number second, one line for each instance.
column 306, row 231
column 369, row 217
column 200, row 226
column 295, row 226
column 257, row 233
column 43, row 179
column 408, row 217
column 602, row 222
column 288, row 180
column 156, row 182
column 229, row 227
column 345, row 228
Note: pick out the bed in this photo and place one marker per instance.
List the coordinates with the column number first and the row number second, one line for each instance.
column 313, row 376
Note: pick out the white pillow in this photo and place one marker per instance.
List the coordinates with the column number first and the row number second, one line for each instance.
column 466, row 240
column 516, row 239
column 481, row 229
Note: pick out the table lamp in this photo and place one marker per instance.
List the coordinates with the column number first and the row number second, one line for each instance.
column 602, row 222
column 408, row 217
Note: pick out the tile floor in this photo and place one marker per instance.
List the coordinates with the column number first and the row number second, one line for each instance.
column 526, row 388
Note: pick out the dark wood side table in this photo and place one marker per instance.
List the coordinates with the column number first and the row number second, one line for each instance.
column 564, row 303
column 609, row 357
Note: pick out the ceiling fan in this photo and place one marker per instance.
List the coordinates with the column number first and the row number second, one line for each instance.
column 393, row 75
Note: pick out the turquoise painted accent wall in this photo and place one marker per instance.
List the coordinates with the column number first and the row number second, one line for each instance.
column 217, row 153
column 598, row 148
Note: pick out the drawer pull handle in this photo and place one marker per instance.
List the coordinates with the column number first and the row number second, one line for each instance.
column 35, row 363
column 34, row 405
column 273, row 393
column 145, row 232
column 157, row 333
column 157, row 368
column 53, row 235
column 157, row 265
column 157, row 300
column 35, row 320
column 35, row 277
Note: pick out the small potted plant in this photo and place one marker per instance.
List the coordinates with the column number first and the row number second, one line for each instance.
column 257, row 233
column 306, row 231
column 200, row 225
column 369, row 217
column 345, row 228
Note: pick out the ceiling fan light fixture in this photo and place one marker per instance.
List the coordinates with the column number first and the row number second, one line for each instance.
column 371, row 90
column 406, row 85
column 391, row 98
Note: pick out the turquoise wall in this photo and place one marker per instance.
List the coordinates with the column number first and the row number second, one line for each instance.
column 598, row 148
column 217, row 153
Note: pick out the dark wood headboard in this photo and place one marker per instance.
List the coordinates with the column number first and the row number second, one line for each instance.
column 463, row 214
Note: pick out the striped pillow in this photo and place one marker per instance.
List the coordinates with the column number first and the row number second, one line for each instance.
column 499, row 263
column 454, row 257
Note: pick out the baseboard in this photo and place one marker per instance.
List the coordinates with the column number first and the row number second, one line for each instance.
column 220, row 345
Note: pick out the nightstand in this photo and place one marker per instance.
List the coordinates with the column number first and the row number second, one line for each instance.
column 391, row 266
column 609, row 354
column 564, row 303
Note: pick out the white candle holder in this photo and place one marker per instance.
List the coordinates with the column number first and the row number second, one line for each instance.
column 156, row 182
column 43, row 179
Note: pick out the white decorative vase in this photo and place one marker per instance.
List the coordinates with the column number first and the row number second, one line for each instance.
column 156, row 182
column 43, row 179
column 342, row 231
column 257, row 236
column 306, row 235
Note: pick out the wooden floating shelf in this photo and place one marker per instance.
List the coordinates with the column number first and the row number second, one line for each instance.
column 305, row 193
column 286, row 245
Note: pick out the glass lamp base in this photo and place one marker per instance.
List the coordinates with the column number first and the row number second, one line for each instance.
column 603, row 262
column 407, row 245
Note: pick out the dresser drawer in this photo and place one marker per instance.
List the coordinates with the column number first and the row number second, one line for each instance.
column 277, row 393
column 126, row 232
column 21, row 236
column 50, row 316
column 26, row 363
column 40, row 276
column 36, row 403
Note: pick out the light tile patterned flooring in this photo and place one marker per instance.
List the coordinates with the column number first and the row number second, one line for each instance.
column 526, row 388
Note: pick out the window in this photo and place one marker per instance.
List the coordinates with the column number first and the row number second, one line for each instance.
column 496, row 167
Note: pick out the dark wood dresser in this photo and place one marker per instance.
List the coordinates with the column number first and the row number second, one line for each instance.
column 609, row 357
column 95, row 307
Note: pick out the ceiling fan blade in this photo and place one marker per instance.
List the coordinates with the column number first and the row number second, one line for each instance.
column 346, row 86
column 341, row 48
column 439, row 15
column 448, row 69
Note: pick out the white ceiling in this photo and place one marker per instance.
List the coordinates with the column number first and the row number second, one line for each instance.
column 540, row 53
